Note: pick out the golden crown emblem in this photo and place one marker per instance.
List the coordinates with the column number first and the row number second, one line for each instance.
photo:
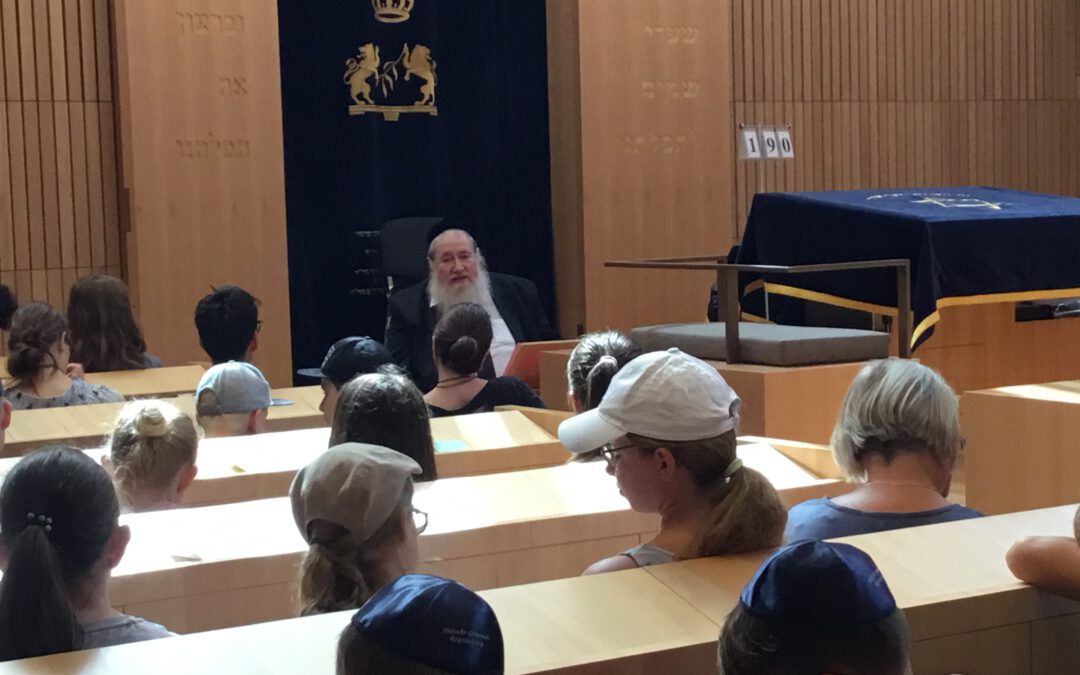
column 392, row 11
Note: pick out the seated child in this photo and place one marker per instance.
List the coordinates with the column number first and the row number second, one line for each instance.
column 39, row 362
column 353, row 506
column 422, row 625
column 347, row 358
column 815, row 607
column 61, row 539
column 152, row 455
column 232, row 399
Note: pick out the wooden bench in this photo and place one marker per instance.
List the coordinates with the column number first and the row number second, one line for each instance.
column 262, row 466
column 86, row 425
column 241, row 468
column 219, row 566
column 626, row 623
column 151, row 382
column 966, row 611
column 1023, row 446
column 774, row 399
column 966, row 615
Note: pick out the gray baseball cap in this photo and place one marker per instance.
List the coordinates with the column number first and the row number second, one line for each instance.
column 233, row 387
column 352, row 485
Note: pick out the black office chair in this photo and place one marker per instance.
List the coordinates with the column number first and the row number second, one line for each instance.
column 404, row 243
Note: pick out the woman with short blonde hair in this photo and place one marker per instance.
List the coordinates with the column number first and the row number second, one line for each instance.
column 152, row 455
column 898, row 440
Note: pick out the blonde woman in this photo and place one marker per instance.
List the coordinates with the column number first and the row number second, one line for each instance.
column 152, row 455
column 897, row 439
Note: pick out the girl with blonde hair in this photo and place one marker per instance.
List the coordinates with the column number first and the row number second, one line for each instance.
column 152, row 455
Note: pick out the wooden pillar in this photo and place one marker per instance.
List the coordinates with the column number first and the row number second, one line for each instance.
column 203, row 177
column 642, row 154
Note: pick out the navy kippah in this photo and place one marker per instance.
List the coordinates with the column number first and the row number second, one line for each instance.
column 446, row 224
column 435, row 622
column 821, row 583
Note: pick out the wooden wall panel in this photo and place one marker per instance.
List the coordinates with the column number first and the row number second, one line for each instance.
column 654, row 91
column 203, row 174
column 58, row 179
column 907, row 94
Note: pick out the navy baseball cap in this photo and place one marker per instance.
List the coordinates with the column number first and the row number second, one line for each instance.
column 349, row 357
column 818, row 583
column 435, row 622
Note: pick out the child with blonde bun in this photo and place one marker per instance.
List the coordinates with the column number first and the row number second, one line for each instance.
column 152, row 455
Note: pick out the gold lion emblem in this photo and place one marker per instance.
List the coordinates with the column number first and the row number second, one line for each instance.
column 419, row 63
column 359, row 70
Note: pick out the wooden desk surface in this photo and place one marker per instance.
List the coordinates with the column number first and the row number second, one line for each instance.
column 151, row 382
column 626, row 618
column 627, row 621
column 87, row 425
column 965, row 612
column 931, row 570
column 262, row 466
column 1063, row 392
column 213, row 567
column 468, row 516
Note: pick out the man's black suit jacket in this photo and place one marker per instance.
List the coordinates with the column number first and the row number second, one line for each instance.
column 412, row 321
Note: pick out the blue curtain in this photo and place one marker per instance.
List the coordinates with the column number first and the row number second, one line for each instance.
column 483, row 157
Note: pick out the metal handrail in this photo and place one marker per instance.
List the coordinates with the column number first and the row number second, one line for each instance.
column 727, row 288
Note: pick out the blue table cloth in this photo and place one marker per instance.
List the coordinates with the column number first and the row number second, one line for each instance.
column 966, row 246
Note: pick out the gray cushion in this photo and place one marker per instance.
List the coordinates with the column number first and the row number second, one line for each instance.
column 767, row 344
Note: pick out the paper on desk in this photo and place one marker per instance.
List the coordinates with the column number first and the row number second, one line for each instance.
column 450, row 445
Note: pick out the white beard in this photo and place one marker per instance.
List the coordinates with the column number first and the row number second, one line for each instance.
column 444, row 297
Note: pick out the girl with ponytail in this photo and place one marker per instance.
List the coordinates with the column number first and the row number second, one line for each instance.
column 59, row 541
column 460, row 344
column 666, row 428
column 152, row 455
column 353, row 506
column 592, row 363
column 39, row 363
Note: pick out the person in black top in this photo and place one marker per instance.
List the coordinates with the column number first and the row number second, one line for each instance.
column 458, row 273
column 460, row 343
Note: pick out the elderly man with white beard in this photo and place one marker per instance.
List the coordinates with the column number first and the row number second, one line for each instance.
column 457, row 273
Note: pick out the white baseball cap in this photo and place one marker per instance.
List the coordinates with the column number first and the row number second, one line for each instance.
column 668, row 396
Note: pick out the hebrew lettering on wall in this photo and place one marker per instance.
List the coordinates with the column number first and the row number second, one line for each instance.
column 211, row 147
column 200, row 24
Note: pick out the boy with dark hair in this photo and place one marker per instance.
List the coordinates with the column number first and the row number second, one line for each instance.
column 815, row 608
column 347, row 358
column 228, row 323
